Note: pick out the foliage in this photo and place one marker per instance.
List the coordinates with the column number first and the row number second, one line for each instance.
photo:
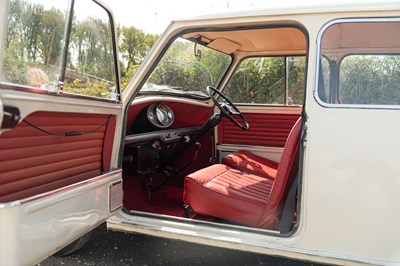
column 179, row 67
column 262, row 80
column 35, row 38
column 370, row 79
column 97, row 89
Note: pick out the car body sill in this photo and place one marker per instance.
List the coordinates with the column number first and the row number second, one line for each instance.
column 203, row 233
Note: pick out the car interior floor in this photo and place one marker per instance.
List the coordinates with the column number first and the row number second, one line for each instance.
column 165, row 200
column 154, row 192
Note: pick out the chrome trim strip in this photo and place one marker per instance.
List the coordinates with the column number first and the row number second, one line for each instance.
column 163, row 218
column 269, row 109
column 318, row 49
column 204, row 233
column 230, row 147
column 59, row 190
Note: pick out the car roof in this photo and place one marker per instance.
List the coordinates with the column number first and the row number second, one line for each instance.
column 290, row 7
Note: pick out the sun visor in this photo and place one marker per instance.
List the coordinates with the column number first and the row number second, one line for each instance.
column 223, row 45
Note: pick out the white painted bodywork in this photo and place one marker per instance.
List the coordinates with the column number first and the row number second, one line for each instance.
column 35, row 228
column 38, row 227
column 32, row 229
column 349, row 198
column 350, row 183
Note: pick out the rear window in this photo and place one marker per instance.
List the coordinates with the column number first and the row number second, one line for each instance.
column 360, row 63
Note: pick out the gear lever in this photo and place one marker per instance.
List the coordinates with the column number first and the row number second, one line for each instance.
column 168, row 171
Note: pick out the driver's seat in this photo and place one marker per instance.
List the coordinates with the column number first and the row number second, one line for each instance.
column 244, row 197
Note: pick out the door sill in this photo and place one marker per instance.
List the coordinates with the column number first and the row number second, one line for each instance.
column 241, row 238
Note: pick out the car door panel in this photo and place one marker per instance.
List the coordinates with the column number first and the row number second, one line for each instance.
column 53, row 189
column 265, row 130
column 269, row 129
column 34, row 162
column 60, row 175
column 41, row 225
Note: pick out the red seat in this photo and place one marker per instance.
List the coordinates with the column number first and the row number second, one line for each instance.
column 249, row 162
column 245, row 197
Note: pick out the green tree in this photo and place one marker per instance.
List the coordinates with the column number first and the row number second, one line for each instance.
column 51, row 35
column 133, row 46
column 180, row 68
column 370, row 79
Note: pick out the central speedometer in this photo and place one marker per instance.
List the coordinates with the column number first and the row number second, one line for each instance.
column 160, row 115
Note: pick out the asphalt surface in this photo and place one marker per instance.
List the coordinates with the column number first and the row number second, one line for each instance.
column 114, row 248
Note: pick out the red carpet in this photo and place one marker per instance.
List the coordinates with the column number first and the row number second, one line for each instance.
column 167, row 200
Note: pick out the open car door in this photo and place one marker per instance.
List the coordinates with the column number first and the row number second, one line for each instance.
column 59, row 89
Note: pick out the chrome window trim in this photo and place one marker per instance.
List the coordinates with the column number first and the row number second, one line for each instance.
column 317, row 65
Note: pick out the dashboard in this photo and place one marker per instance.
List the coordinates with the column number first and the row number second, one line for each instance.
column 152, row 143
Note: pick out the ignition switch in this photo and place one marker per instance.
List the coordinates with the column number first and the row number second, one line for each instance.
column 156, row 145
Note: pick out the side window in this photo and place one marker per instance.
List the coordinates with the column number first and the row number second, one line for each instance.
column 90, row 62
column 47, row 50
column 32, row 52
column 268, row 80
column 366, row 65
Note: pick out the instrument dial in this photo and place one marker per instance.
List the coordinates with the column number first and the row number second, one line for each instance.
column 160, row 115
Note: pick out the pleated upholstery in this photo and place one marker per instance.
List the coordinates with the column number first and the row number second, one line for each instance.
column 33, row 162
column 269, row 130
column 227, row 193
column 253, row 194
column 247, row 161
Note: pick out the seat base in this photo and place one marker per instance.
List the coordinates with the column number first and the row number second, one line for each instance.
column 227, row 193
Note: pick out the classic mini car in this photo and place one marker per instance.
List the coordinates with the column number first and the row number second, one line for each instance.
column 273, row 131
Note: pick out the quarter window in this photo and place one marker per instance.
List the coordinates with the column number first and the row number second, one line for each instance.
column 364, row 63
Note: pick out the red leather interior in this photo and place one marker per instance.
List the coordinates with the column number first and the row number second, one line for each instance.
column 108, row 144
column 269, row 130
column 243, row 197
column 227, row 193
column 249, row 162
column 168, row 199
column 33, row 162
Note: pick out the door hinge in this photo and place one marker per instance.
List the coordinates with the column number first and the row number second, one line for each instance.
column 304, row 134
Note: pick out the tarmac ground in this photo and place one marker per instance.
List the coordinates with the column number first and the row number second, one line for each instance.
column 106, row 248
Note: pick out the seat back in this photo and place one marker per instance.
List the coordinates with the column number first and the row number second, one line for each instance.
column 285, row 175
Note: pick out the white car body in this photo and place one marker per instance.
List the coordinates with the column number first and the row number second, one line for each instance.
column 349, row 190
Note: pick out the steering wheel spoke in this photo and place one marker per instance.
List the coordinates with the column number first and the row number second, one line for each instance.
column 228, row 109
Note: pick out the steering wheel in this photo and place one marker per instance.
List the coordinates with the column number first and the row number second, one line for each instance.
column 228, row 108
